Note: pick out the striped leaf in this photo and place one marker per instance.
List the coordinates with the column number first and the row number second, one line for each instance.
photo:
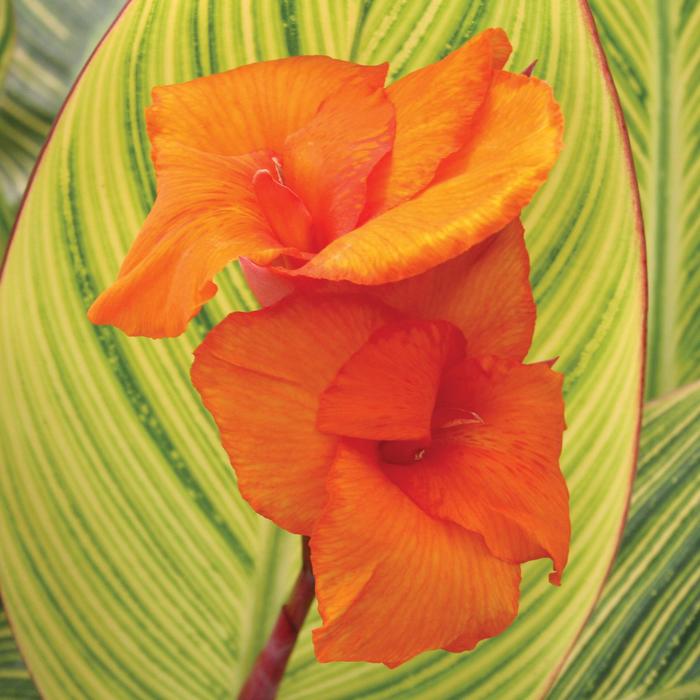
column 652, row 46
column 643, row 640
column 7, row 38
column 131, row 566
column 41, row 70
column 52, row 43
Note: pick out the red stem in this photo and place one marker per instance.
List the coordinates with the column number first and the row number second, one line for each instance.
column 265, row 676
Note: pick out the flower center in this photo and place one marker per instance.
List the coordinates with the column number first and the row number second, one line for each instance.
column 445, row 420
column 286, row 214
column 278, row 169
column 402, row 451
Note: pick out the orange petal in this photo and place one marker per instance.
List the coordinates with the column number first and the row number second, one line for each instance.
column 250, row 108
column 434, row 108
column 205, row 216
column 513, row 144
column 393, row 582
column 493, row 466
column 485, row 292
column 387, row 389
column 327, row 161
column 260, row 375
column 284, row 211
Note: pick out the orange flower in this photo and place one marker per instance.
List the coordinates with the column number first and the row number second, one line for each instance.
column 309, row 164
column 398, row 427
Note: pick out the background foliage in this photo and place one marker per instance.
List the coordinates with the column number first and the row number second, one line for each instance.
column 43, row 45
column 652, row 47
column 149, row 535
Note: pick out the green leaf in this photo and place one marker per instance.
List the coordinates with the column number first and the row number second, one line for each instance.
column 40, row 75
column 7, row 38
column 132, row 568
column 54, row 38
column 642, row 640
column 652, row 46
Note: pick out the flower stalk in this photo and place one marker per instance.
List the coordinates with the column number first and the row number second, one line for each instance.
column 266, row 674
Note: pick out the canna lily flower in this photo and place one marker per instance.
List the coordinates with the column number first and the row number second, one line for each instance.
column 311, row 166
column 398, row 426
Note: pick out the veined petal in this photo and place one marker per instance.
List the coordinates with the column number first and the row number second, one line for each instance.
column 260, row 375
column 485, row 292
column 393, row 582
column 205, row 215
column 387, row 389
column 434, row 109
column 493, row 466
column 513, row 143
column 327, row 161
column 250, row 108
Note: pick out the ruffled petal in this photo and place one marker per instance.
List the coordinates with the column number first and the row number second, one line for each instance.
column 327, row 161
column 393, row 582
column 513, row 143
column 485, row 292
column 493, row 466
column 434, row 109
column 250, row 108
column 205, row 215
column 387, row 389
column 260, row 375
